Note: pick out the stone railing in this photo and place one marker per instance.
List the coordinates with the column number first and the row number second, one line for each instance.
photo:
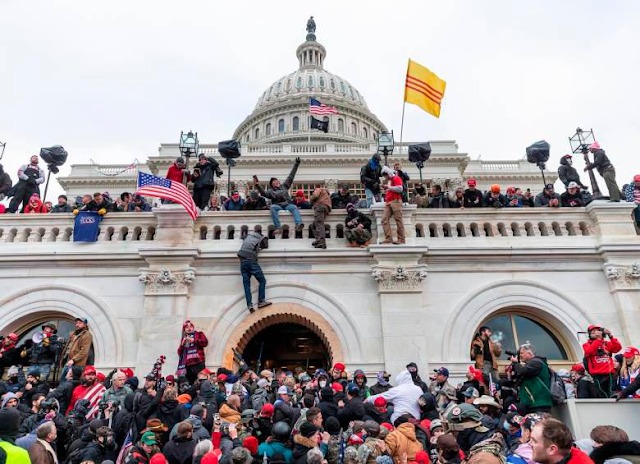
column 423, row 226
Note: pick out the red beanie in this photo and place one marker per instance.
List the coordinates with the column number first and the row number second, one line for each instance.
column 379, row 402
column 267, row 410
column 251, row 443
column 209, row 458
column 128, row 372
column 387, row 426
column 337, row 387
column 339, row 366
column 158, row 458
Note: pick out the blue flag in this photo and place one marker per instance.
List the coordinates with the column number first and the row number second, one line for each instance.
column 86, row 227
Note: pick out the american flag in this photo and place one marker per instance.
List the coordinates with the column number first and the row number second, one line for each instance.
column 168, row 190
column 94, row 395
column 126, row 446
column 315, row 107
column 492, row 386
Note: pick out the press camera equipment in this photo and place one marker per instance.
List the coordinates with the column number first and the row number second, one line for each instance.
column 538, row 154
column 55, row 157
column 511, row 353
column 419, row 154
column 229, row 150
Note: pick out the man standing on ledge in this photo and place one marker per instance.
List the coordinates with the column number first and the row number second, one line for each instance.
column 392, row 206
column 248, row 254
column 280, row 198
column 605, row 169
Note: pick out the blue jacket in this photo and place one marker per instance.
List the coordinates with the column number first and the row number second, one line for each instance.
column 274, row 447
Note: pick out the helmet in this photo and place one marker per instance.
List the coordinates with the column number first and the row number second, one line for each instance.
column 51, row 325
column 281, row 431
column 50, row 404
column 495, row 188
column 463, row 416
column 304, row 377
column 320, row 373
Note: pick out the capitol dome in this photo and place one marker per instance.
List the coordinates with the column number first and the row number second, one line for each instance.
column 282, row 111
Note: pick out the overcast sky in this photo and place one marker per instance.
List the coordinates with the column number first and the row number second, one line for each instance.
column 110, row 81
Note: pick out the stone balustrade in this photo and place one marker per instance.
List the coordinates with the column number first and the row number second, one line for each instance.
column 423, row 226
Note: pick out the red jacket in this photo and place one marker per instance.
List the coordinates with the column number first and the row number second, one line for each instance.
column 200, row 342
column 175, row 173
column 601, row 364
column 578, row 457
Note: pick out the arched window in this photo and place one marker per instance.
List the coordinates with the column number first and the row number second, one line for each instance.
column 267, row 129
column 322, row 82
column 247, row 138
column 512, row 330
column 279, row 87
column 365, row 133
column 340, row 125
column 299, row 82
column 333, row 84
column 288, row 87
column 296, row 123
column 257, row 133
column 280, row 125
column 310, row 81
column 354, row 128
column 343, row 89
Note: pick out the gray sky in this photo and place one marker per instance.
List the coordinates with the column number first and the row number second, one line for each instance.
column 112, row 80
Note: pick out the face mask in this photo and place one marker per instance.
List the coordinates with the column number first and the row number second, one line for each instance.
column 505, row 425
column 322, row 383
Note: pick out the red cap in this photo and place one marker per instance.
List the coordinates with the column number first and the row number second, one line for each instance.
column 205, row 371
column 636, row 178
column 379, row 402
column 337, row 387
column 89, row 370
column 630, row 352
column 101, row 377
column 128, row 372
column 170, row 378
column 339, row 367
column 222, row 377
column 577, row 368
column 593, row 327
column 471, row 182
column 300, row 193
column 267, row 410
column 387, row 426
column 13, row 337
column 251, row 443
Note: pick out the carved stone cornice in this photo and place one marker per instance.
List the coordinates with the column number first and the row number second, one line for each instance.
column 401, row 279
column 623, row 277
column 167, row 282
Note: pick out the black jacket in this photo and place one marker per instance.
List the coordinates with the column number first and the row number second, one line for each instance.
column 328, row 409
column 618, row 450
column 339, row 201
column 472, row 199
column 566, row 199
column 63, row 393
column 353, row 410
column 280, row 196
column 286, row 413
column 568, row 173
column 440, row 200
column 370, row 177
column 179, row 450
column 586, row 388
column 600, row 161
column 207, row 171
column 301, row 445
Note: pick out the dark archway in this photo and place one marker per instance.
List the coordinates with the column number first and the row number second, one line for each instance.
column 287, row 346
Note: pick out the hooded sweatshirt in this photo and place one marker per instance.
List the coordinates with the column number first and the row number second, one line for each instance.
column 404, row 396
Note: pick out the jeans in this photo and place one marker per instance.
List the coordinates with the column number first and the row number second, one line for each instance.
column 293, row 209
column 250, row 268
column 370, row 196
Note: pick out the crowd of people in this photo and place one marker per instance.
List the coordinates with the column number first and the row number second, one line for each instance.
column 199, row 416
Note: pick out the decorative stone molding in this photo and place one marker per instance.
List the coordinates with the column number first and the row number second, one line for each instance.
column 167, row 282
column 399, row 279
column 331, row 185
column 623, row 276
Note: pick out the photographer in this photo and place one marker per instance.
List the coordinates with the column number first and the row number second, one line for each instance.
column 598, row 358
column 30, row 177
column 533, row 378
column 204, row 180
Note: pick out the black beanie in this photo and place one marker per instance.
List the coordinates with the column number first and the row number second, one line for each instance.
column 332, row 425
column 307, row 429
column 271, row 181
column 9, row 422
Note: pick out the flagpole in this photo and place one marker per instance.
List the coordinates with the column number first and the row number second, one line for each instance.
column 404, row 103
column 402, row 124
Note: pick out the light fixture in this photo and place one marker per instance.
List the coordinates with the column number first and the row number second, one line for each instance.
column 580, row 142
column 188, row 145
column 385, row 145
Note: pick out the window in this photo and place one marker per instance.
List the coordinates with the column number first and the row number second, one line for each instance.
column 280, row 125
column 267, row 129
column 343, row 89
column 365, row 133
column 288, row 87
column 257, row 133
column 296, row 123
column 512, row 330
column 246, row 139
column 322, row 82
column 340, row 125
column 310, row 81
column 354, row 128
column 279, row 88
column 333, row 84
column 299, row 82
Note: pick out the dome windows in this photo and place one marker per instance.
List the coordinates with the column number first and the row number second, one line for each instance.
column 280, row 125
column 257, row 133
column 267, row 129
column 279, row 87
column 341, row 125
column 343, row 88
column 296, row 123
column 354, row 128
column 288, row 85
column 332, row 84
column 299, row 82
column 310, row 81
column 365, row 133
column 322, row 82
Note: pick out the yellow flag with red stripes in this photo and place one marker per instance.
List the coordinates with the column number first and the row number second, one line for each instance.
column 424, row 88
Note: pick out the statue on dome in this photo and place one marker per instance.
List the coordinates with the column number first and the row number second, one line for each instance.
column 311, row 26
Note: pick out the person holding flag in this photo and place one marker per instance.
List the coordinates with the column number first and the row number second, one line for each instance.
column 166, row 189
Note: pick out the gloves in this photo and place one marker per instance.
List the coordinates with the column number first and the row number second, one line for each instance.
column 297, row 160
column 102, row 211
column 76, row 211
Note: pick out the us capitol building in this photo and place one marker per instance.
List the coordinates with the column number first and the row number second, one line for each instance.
column 540, row 275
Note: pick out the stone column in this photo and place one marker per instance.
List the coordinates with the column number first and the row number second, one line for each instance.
column 166, row 281
column 399, row 275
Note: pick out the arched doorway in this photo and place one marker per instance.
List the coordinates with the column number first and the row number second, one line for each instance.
column 286, row 346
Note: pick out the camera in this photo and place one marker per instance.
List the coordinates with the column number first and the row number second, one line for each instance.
column 511, row 353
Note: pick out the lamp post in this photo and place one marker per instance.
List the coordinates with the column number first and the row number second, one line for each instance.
column 2, row 147
column 580, row 142
column 385, row 145
column 188, row 145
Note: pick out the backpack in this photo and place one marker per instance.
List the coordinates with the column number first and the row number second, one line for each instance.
column 75, row 457
column 556, row 388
